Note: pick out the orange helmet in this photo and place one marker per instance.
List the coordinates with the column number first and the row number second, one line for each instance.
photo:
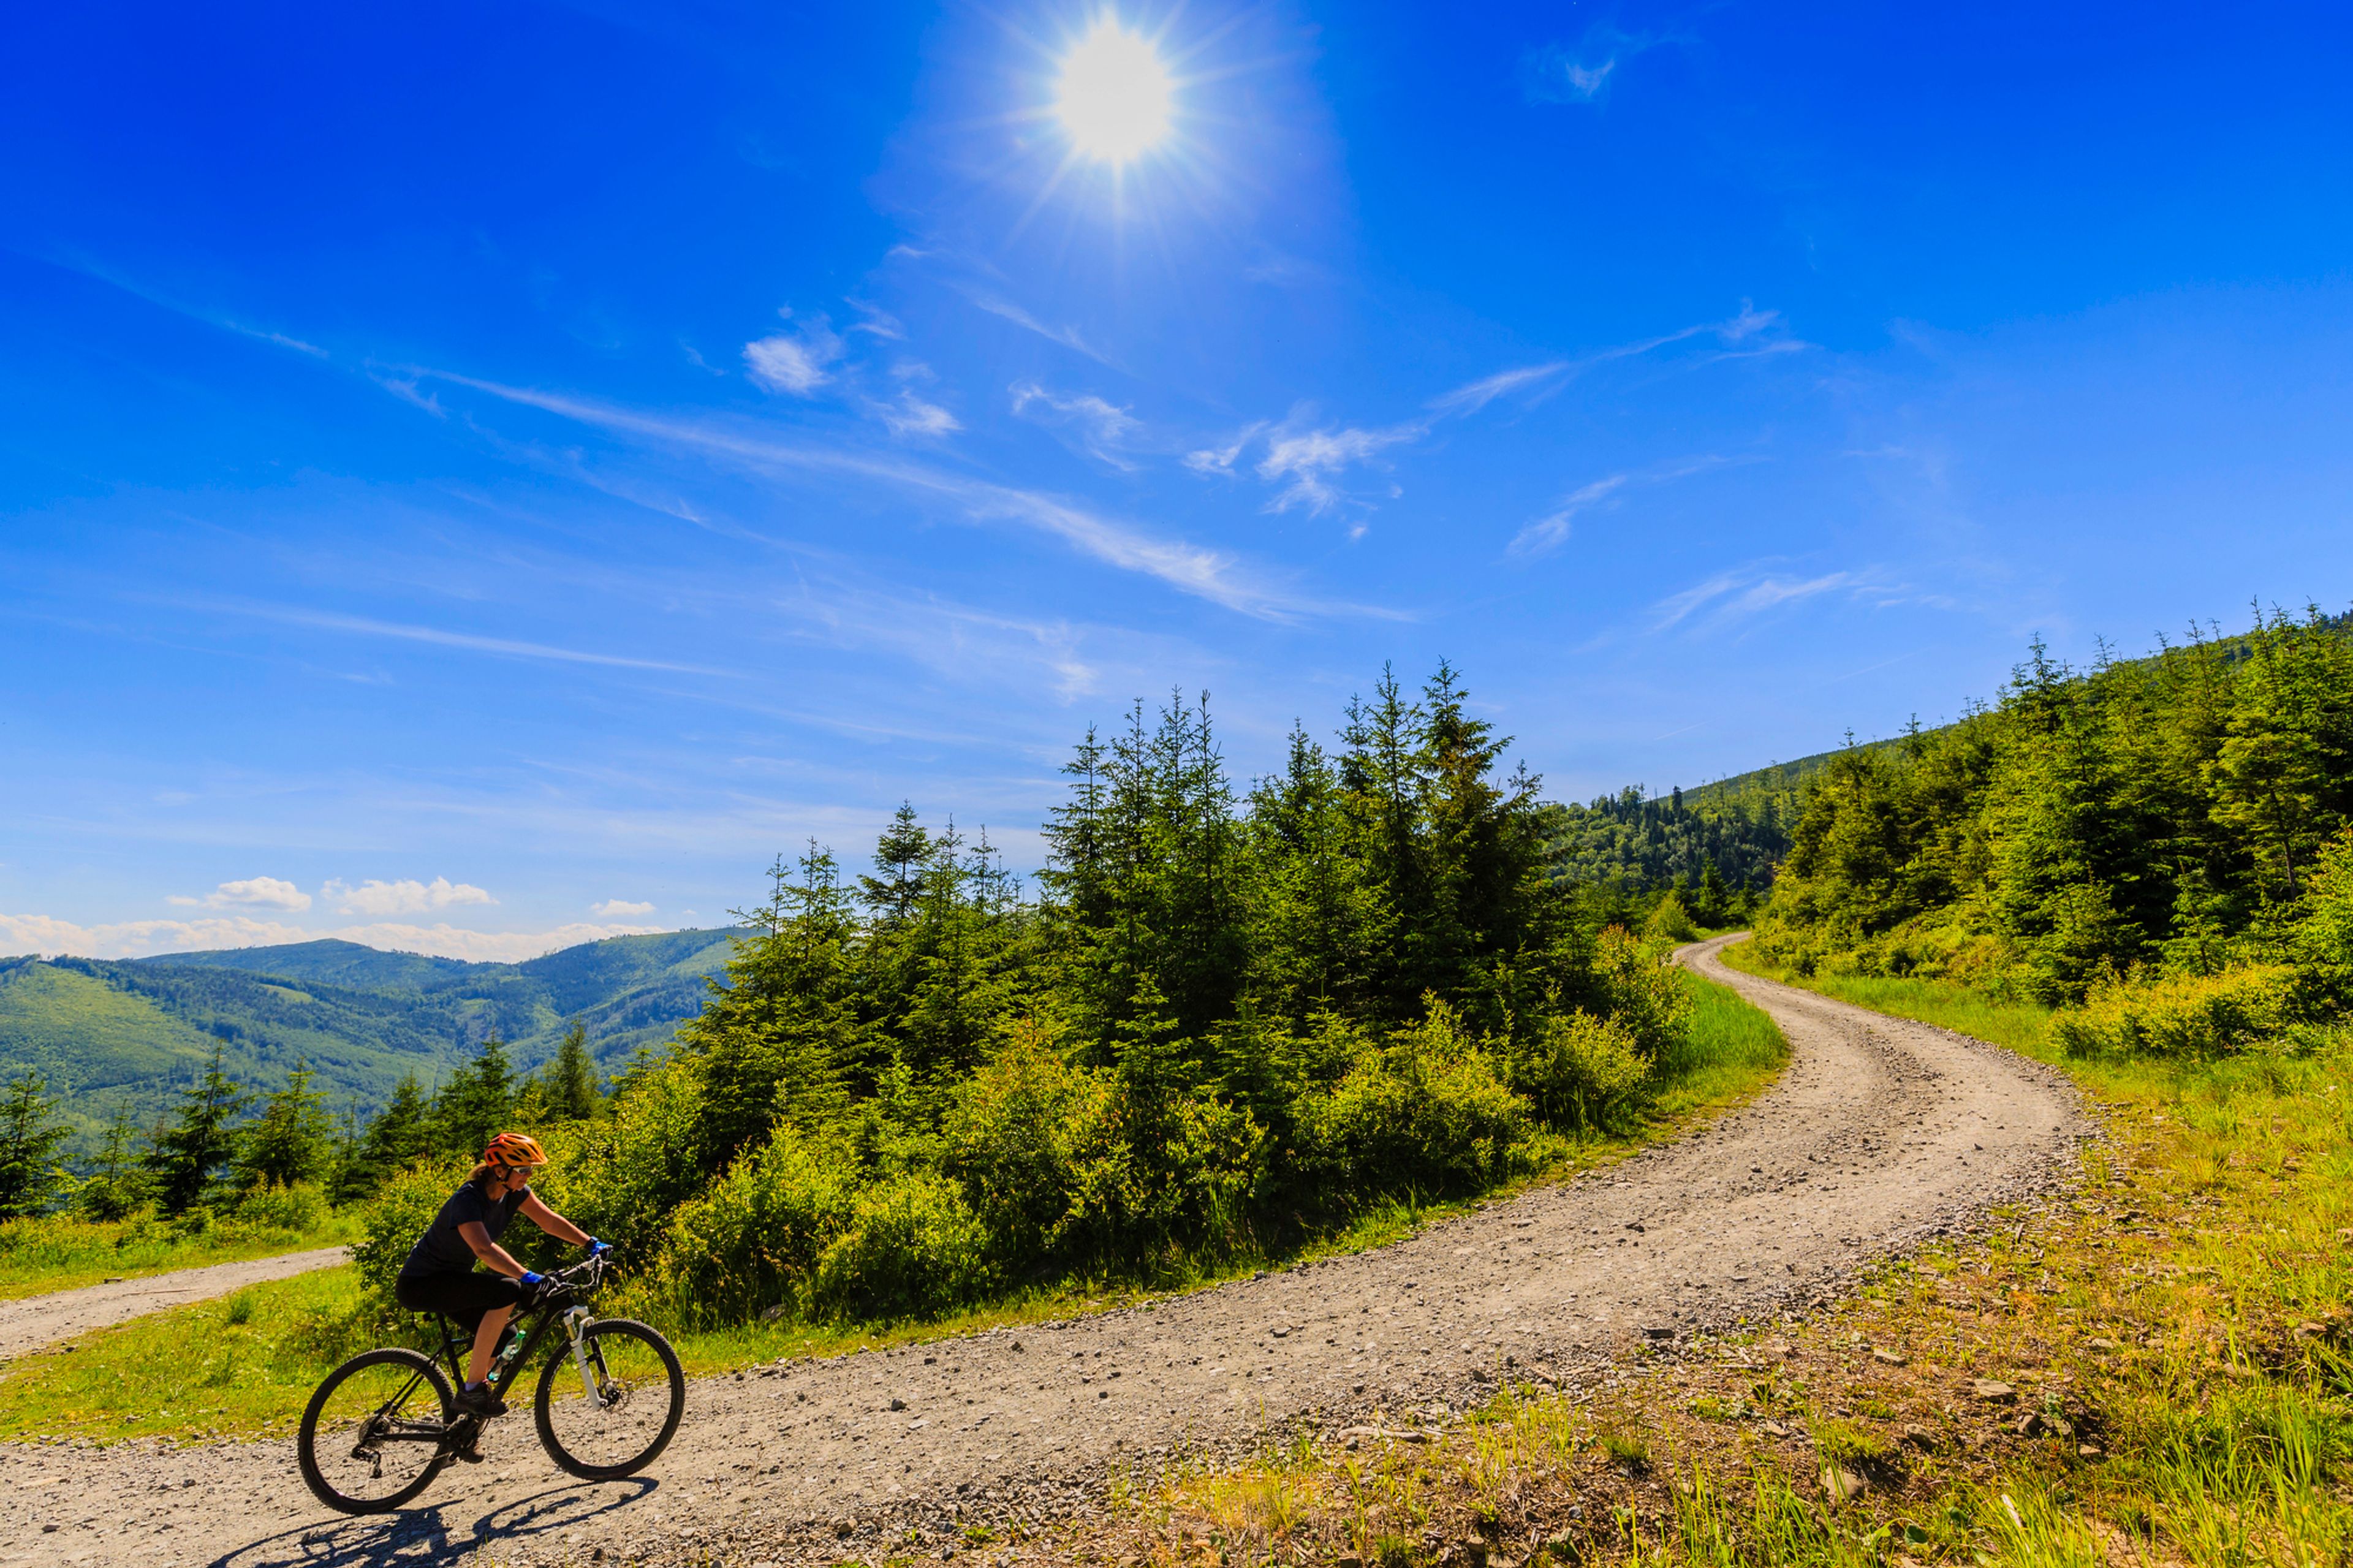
column 514, row 1148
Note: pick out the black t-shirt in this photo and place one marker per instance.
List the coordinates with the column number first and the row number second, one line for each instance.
column 441, row 1250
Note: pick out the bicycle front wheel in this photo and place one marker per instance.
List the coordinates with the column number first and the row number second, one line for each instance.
column 371, row 1437
column 614, row 1420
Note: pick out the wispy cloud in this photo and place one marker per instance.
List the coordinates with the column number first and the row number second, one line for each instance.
column 1069, row 337
column 1306, row 462
column 1749, row 590
column 252, row 893
column 908, row 415
column 794, row 361
column 1550, row 531
column 1192, row 569
column 1561, row 74
column 1098, row 426
column 1470, row 399
column 363, row 626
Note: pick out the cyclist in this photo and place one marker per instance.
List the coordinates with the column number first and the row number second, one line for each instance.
column 439, row 1276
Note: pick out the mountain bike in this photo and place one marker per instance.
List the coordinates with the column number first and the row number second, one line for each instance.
column 386, row 1422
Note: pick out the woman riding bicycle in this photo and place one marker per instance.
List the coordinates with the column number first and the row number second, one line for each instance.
column 439, row 1276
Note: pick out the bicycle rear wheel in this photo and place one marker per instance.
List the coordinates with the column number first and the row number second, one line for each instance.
column 620, row 1424
column 371, row 1437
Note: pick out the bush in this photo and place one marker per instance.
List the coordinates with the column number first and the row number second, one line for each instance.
column 915, row 1249
column 1040, row 1147
column 752, row 1241
column 293, row 1211
column 2184, row 1015
column 1424, row 1114
column 399, row 1214
column 1670, row 923
column 1641, row 993
column 1573, row 1068
column 620, row 1178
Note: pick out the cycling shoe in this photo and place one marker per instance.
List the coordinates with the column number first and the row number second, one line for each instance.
column 482, row 1401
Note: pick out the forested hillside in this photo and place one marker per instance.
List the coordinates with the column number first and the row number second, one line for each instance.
column 2165, row 832
column 105, row 1035
column 1222, row 1018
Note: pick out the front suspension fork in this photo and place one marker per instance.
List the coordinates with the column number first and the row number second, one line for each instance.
column 575, row 1323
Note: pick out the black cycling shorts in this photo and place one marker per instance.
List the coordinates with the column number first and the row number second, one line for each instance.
column 465, row 1296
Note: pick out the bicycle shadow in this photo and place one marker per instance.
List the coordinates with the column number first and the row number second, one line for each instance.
column 426, row 1534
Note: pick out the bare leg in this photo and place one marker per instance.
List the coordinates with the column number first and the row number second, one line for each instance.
column 485, row 1340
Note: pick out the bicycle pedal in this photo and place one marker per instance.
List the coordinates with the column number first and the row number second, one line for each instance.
column 470, row 1454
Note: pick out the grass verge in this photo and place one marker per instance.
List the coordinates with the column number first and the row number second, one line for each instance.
column 243, row 1366
column 2156, row 1369
column 55, row 1252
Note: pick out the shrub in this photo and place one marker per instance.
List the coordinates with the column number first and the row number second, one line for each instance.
column 399, row 1214
column 296, row 1211
column 620, row 1178
column 1573, row 1068
column 2183, row 1015
column 1424, row 1112
column 752, row 1241
column 1670, row 923
column 1040, row 1149
column 1640, row 992
column 915, row 1249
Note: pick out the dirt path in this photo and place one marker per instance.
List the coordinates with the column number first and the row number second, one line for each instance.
column 29, row 1323
column 1880, row 1131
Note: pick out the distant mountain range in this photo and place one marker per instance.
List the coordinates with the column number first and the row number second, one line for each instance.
column 106, row 1032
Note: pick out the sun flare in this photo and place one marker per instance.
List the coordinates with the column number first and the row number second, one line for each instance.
column 1115, row 94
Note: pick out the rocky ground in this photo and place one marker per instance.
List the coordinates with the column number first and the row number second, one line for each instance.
column 1881, row 1131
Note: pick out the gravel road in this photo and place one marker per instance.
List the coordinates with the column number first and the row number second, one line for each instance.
column 1880, row 1132
column 31, row 1321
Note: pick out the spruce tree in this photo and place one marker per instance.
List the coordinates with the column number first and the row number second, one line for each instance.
column 567, row 1084
column 29, row 1135
column 188, row 1148
column 291, row 1141
column 118, row 1184
column 398, row 1136
column 477, row 1102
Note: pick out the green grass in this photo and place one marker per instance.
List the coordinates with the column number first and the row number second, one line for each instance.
column 244, row 1366
column 56, row 1252
column 2023, row 1027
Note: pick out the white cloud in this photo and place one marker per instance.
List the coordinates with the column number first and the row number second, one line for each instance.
column 1558, row 75
column 1313, row 459
column 403, row 898
column 792, row 362
column 1066, row 336
column 51, row 937
column 252, row 893
column 1751, row 589
column 1192, row 569
column 1471, row 398
column 1221, row 459
column 1100, row 426
column 910, row 415
column 618, row 909
column 1549, row 532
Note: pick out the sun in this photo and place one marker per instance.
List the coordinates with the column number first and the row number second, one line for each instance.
column 1115, row 94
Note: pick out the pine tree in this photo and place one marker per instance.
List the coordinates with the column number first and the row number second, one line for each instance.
column 291, row 1141
column 188, row 1148
column 477, row 1102
column 901, row 855
column 29, row 1135
column 398, row 1136
column 567, row 1084
column 118, row 1184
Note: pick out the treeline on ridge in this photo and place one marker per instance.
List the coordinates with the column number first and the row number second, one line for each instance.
column 1220, row 1020
column 2160, row 845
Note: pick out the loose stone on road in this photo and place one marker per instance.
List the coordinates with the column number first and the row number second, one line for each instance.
column 1880, row 1131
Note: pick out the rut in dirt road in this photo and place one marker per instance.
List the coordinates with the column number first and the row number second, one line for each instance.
column 1879, row 1131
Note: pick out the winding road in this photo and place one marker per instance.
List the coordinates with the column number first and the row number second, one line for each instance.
column 1880, row 1131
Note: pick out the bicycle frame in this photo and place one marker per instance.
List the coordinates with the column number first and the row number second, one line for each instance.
column 573, row 1319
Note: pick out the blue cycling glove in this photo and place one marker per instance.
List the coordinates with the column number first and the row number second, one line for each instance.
column 530, row 1281
column 598, row 1249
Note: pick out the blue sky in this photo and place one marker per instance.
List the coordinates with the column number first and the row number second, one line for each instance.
column 476, row 477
